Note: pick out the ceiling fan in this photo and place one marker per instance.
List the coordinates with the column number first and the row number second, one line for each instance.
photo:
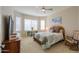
column 44, row 9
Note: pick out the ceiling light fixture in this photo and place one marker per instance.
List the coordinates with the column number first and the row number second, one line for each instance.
column 43, row 10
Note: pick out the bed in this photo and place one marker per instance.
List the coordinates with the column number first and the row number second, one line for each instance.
column 46, row 39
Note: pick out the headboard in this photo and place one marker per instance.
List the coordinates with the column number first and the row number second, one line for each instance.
column 58, row 29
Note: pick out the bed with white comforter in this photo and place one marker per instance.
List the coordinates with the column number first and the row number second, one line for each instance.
column 47, row 38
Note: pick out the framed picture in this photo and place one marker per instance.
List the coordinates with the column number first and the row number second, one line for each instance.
column 57, row 20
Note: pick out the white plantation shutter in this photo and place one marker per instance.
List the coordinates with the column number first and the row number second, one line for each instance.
column 29, row 24
column 18, row 23
column 42, row 24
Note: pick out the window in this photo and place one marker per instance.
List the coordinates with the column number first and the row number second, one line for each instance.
column 34, row 24
column 29, row 24
column 18, row 23
column 42, row 24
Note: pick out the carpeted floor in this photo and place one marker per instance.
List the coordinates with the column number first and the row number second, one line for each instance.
column 28, row 45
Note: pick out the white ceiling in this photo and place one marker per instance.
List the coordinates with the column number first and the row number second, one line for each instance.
column 36, row 10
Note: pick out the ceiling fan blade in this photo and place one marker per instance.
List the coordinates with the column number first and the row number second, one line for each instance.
column 44, row 9
column 49, row 9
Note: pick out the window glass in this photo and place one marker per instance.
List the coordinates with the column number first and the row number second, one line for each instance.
column 34, row 24
column 27, row 25
column 30, row 25
column 18, row 23
column 42, row 24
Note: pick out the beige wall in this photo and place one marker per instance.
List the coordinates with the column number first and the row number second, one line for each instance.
column 78, row 17
column 69, row 19
column 1, row 34
column 0, row 26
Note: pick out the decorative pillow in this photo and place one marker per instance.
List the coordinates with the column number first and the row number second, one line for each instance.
column 56, row 29
column 51, row 29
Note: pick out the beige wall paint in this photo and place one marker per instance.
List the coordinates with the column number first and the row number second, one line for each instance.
column 1, row 34
column 78, row 17
column 69, row 19
column 0, row 26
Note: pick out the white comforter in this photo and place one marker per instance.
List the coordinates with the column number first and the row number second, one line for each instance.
column 52, row 38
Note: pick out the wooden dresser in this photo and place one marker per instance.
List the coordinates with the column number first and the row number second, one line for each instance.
column 12, row 45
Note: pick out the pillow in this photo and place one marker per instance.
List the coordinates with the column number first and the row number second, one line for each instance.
column 50, row 30
column 56, row 29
